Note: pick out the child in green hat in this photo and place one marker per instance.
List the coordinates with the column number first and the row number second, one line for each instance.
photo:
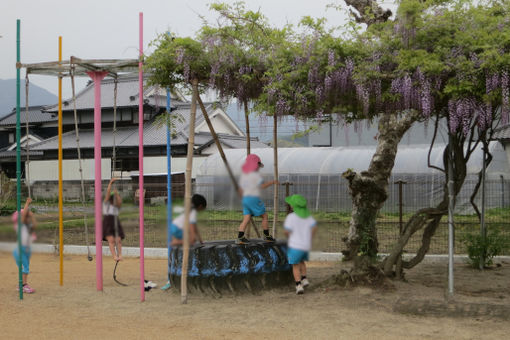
column 300, row 228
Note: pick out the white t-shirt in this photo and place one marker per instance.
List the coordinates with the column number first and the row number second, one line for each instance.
column 179, row 221
column 110, row 209
column 26, row 239
column 300, row 230
column 250, row 183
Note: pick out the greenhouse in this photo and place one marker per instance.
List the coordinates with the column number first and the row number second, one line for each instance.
column 316, row 174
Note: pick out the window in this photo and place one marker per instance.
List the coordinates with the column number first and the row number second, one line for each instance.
column 11, row 138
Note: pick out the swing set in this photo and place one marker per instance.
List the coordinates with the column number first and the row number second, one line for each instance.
column 97, row 70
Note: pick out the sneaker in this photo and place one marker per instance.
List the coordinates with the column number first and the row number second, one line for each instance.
column 268, row 238
column 242, row 240
column 150, row 284
column 27, row 289
column 300, row 289
column 167, row 286
column 305, row 283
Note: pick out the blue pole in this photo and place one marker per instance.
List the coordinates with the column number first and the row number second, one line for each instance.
column 169, row 178
column 18, row 157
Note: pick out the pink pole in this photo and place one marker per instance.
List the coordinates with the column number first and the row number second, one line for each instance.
column 97, row 77
column 140, row 159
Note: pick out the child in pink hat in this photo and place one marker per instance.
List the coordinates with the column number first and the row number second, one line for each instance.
column 250, row 184
column 28, row 222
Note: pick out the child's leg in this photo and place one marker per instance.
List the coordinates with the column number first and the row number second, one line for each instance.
column 265, row 223
column 244, row 223
column 296, row 271
column 111, row 244
column 176, row 241
column 118, row 241
column 25, row 279
column 302, row 269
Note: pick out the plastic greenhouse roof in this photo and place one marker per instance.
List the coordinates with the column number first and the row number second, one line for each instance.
column 410, row 160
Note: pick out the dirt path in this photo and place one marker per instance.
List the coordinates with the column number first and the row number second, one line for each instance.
column 77, row 311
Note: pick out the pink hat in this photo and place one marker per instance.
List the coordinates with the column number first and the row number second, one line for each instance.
column 252, row 163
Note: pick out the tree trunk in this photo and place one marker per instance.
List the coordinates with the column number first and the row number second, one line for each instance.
column 428, row 218
column 247, row 120
column 369, row 189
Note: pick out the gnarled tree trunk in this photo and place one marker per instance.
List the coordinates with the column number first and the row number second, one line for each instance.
column 369, row 189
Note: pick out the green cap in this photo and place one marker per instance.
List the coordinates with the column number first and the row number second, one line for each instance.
column 298, row 204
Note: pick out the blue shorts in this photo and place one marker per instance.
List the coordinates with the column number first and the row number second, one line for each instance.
column 253, row 206
column 25, row 258
column 296, row 256
column 176, row 232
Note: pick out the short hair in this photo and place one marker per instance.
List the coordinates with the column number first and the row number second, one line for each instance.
column 198, row 200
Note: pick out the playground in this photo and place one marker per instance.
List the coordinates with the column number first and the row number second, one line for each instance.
column 322, row 313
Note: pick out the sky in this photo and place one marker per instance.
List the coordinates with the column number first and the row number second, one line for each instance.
column 109, row 28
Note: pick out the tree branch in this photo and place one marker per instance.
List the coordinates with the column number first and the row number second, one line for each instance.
column 436, row 127
column 369, row 11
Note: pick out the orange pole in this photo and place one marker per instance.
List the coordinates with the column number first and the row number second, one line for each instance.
column 60, row 184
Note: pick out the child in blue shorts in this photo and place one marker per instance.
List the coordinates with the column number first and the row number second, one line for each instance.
column 300, row 227
column 198, row 203
column 250, row 184
column 28, row 223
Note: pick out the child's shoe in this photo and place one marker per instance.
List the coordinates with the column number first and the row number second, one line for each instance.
column 27, row 289
column 242, row 240
column 268, row 238
column 300, row 289
column 167, row 286
column 305, row 283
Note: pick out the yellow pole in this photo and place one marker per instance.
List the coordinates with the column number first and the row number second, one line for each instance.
column 60, row 184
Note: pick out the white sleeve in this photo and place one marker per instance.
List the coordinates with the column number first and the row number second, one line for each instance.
column 313, row 223
column 287, row 224
column 193, row 217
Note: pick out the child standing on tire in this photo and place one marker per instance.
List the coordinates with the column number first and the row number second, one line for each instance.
column 300, row 227
column 198, row 203
column 250, row 184
column 28, row 223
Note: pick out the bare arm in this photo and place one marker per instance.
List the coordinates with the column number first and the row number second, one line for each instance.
column 199, row 237
column 268, row 184
column 26, row 211
column 109, row 190
column 117, row 201
column 314, row 230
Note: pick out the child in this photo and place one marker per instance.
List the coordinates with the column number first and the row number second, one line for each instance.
column 198, row 203
column 300, row 227
column 250, row 184
column 28, row 223
column 112, row 229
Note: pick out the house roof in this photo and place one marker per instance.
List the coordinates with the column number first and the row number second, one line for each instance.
column 12, row 154
column 502, row 133
column 35, row 115
column 153, row 135
column 127, row 95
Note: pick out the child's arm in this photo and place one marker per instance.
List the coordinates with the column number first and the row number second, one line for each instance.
column 117, row 201
column 268, row 184
column 24, row 215
column 109, row 190
column 199, row 237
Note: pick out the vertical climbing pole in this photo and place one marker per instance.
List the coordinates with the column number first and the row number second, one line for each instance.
column 60, row 184
column 275, row 187
column 187, row 194
column 451, row 207
column 141, row 200
column 18, row 157
column 168, row 177
column 98, row 214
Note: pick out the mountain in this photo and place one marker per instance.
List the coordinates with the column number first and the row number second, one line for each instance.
column 37, row 95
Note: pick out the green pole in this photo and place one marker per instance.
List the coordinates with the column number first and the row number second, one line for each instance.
column 18, row 157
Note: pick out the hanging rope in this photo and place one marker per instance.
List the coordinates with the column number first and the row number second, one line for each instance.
column 27, row 163
column 89, row 256
column 114, row 161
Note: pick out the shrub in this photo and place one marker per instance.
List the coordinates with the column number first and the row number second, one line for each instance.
column 482, row 250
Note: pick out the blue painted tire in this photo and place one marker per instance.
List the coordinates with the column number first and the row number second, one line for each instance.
column 221, row 267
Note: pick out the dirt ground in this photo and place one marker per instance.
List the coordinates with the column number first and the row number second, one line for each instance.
column 78, row 311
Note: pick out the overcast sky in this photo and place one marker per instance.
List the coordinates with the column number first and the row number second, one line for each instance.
column 109, row 28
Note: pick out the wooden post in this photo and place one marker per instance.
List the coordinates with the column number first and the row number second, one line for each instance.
column 247, row 120
column 222, row 153
column 287, row 193
column 187, row 194
column 275, row 149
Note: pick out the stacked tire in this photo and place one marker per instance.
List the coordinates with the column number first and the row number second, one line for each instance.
column 222, row 267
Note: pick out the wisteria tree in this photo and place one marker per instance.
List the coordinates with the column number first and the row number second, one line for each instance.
column 434, row 59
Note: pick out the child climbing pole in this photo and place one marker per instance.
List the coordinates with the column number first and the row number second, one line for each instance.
column 112, row 229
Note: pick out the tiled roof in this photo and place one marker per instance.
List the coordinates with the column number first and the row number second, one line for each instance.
column 12, row 154
column 502, row 132
column 35, row 115
column 127, row 95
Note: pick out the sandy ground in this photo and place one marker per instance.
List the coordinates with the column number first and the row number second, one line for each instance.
column 78, row 311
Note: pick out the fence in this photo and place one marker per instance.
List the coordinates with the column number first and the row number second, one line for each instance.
column 329, row 201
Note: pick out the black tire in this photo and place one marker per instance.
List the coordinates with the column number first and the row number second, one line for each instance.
column 223, row 267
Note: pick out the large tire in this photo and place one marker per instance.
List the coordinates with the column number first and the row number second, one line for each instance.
column 221, row 267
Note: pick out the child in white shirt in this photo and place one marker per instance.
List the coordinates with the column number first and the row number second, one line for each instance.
column 300, row 227
column 198, row 203
column 250, row 184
